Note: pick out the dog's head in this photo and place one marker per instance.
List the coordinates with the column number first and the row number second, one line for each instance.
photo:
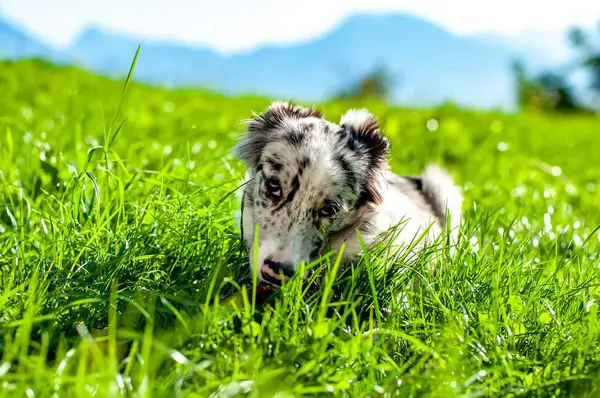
column 309, row 178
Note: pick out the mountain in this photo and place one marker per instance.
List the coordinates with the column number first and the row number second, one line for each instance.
column 165, row 64
column 431, row 64
column 16, row 43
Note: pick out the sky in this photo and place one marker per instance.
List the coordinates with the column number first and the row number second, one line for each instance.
column 239, row 25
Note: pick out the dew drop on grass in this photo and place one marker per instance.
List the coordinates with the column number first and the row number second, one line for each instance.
column 502, row 146
column 519, row 191
column 167, row 150
column 212, row 144
column 556, row 171
column 547, row 220
column 44, row 227
column 4, row 368
column 474, row 244
column 432, row 125
column 196, row 148
column 26, row 112
column 179, row 357
column 589, row 305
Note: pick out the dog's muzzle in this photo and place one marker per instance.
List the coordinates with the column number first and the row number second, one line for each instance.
column 272, row 271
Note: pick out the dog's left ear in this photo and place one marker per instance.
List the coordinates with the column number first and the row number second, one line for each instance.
column 261, row 128
column 366, row 137
column 363, row 136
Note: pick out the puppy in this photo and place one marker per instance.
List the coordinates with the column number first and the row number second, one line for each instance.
column 312, row 185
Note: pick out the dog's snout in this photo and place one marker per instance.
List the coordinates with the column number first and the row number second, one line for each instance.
column 271, row 271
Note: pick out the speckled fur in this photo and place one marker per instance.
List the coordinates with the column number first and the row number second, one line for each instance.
column 316, row 161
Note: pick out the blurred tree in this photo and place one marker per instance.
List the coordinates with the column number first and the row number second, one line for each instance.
column 378, row 83
column 546, row 92
column 589, row 51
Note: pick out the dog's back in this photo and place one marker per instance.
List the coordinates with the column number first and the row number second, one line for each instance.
column 430, row 198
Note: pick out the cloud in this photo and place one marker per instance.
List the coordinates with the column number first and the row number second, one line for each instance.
column 237, row 25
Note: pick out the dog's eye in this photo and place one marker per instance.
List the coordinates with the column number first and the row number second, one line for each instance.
column 329, row 209
column 273, row 187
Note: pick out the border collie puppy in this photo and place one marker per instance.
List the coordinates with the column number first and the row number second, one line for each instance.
column 313, row 184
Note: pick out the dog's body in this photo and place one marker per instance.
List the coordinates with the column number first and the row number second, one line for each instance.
column 313, row 184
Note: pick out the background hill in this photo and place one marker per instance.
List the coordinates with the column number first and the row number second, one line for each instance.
column 430, row 64
column 17, row 43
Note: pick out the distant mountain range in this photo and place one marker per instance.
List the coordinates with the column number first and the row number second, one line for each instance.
column 431, row 64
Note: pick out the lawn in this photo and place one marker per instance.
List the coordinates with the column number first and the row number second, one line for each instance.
column 117, row 230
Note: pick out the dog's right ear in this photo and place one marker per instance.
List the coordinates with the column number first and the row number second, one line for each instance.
column 261, row 126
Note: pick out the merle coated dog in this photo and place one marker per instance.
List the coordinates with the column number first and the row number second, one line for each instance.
column 312, row 184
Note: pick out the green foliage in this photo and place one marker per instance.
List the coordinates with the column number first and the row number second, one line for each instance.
column 550, row 92
column 376, row 84
column 114, row 236
column 588, row 47
column 547, row 92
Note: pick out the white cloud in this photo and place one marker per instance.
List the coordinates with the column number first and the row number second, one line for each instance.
column 235, row 25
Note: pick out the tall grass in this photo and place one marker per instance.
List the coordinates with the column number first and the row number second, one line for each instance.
column 117, row 240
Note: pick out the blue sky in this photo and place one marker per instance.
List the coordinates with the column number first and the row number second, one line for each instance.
column 236, row 25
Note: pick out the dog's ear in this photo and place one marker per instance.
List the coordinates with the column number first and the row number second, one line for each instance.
column 261, row 126
column 364, row 137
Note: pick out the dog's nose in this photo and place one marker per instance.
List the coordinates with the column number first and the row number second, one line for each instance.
column 271, row 271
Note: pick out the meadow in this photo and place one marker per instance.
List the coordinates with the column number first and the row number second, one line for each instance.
column 117, row 232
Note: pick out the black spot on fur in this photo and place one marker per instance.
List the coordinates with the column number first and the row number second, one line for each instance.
column 417, row 182
column 364, row 197
column 350, row 177
column 352, row 142
column 290, row 196
column 314, row 254
column 295, row 138
column 304, row 163
column 275, row 165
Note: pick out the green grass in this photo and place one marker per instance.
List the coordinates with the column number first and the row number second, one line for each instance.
column 113, row 237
